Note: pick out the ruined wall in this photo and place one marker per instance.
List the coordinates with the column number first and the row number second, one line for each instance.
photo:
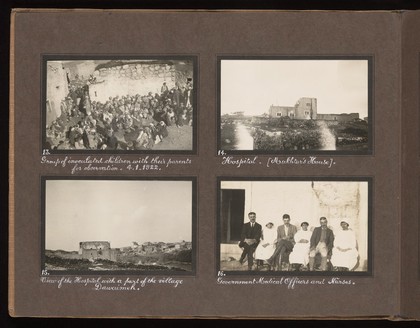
column 57, row 90
column 137, row 78
column 95, row 245
column 97, row 250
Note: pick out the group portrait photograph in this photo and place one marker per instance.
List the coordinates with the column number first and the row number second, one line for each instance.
column 303, row 226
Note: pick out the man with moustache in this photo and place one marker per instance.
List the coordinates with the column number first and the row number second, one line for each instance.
column 250, row 237
column 322, row 240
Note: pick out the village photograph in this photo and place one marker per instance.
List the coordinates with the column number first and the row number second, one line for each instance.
column 111, row 226
column 123, row 105
column 302, row 226
column 294, row 105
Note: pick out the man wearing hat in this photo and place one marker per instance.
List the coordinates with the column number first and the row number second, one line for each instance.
column 250, row 237
column 322, row 240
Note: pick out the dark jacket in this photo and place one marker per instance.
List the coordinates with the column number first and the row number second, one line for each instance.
column 251, row 233
column 316, row 236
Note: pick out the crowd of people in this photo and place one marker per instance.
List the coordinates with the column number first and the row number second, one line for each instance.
column 289, row 248
column 128, row 122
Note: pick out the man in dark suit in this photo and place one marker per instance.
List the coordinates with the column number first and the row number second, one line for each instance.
column 322, row 240
column 284, row 243
column 250, row 237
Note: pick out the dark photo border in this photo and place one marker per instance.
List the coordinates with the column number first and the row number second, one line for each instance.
column 370, row 101
column 61, row 57
column 194, row 226
column 368, row 273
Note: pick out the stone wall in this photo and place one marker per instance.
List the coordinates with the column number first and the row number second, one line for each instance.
column 57, row 90
column 97, row 250
column 139, row 72
column 95, row 245
column 137, row 78
column 339, row 117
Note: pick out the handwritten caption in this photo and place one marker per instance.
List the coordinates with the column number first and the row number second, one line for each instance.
column 277, row 161
column 113, row 163
column 111, row 283
column 289, row 282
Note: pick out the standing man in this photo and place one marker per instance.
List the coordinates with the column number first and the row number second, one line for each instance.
column 250, row 237
column 285, row 241
column 322, row 240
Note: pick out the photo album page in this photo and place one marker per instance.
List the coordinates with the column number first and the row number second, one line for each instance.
column 177, row 164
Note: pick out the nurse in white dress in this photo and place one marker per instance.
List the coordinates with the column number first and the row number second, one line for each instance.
column 266, row 246
column 344, row 254
column 300, row 253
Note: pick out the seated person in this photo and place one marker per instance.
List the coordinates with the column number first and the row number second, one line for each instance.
column 344, row 254
column 284, row 243
column 250, row 238
column 322, row 240
column 300, row 255
column 267, row 244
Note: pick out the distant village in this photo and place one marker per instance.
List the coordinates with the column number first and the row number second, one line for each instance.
column 157, row 247
column 102, row 249
column 94, row 250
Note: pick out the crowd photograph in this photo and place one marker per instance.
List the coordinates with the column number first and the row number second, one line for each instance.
column 123, row 105
column 298, row 226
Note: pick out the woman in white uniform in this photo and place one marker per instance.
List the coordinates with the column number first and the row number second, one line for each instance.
column 266, row 246
column 344, row 254
column 300, row 254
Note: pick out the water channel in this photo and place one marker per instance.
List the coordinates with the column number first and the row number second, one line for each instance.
column 245, row 140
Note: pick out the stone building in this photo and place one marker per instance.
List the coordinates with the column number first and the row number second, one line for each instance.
column 97, row 250
column 339, row 117
column 304, row 109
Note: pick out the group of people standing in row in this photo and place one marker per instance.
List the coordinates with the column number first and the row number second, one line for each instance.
column 289, row 248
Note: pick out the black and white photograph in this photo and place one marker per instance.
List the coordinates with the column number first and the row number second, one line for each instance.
column 119, row 104
column 304, row 226
column 119, row 226
column 295, row 105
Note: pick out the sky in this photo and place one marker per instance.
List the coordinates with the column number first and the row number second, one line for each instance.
column 252, row 86
column 118, row 211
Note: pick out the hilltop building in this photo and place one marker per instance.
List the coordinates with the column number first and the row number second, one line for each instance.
column 97, row 250
column 306, row 109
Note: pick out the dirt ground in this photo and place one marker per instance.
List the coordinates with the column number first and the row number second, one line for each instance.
column 178, row 139
column 234, row 265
